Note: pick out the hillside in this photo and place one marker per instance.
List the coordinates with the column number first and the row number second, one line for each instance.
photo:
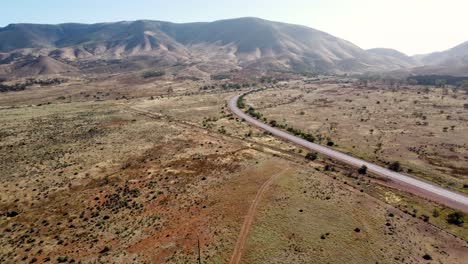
column 459, row 52
column 453, row 61
column 396, row 57
column 244, row 42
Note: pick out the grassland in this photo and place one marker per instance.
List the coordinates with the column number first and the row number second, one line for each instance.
column 424, row 129
column 123, row 169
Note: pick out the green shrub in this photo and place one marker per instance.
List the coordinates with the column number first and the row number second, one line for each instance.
column 311, row 156
column 62, row 259
column 427, row 257
column 152, row 74
column 363, row 170
column 395, row 166
column 456, row 218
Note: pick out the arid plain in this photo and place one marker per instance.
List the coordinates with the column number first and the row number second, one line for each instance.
column 130, row 169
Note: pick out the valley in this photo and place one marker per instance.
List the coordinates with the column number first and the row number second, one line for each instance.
column 120, row 142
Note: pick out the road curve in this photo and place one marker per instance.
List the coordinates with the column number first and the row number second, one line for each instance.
column 419, row 187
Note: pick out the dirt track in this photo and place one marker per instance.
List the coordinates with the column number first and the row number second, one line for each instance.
column 239, row 248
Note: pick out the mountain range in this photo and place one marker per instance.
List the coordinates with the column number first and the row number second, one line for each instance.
column 28, row 49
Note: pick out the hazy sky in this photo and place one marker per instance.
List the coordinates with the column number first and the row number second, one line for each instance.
column 411, row 26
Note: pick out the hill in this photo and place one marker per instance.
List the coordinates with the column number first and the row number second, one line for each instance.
column 453, row 61
column 395, row 57
column 243, row 42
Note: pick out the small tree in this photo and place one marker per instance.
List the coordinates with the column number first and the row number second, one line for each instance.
column 456, row 218
column 311, row 156
column 440, row 83
column 395, row 166
column 363, row 170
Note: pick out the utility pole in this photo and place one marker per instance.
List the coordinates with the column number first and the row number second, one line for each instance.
column 199, row 253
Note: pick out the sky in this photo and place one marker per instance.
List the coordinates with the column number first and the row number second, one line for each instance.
column 410, row 26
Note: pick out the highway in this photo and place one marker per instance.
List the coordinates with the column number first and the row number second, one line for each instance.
column 416, row 186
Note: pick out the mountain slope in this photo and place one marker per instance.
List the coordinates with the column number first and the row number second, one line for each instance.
column 244, row 42
column 395, row 57
column 459, row 52
column 42, row 65
column 453, row 61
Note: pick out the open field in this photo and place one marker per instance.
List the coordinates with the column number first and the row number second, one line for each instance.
column 141, row 179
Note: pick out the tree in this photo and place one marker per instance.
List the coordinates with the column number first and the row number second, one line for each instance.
column 440, row 83
column 152, row 74
column 363, row 170
column 464, row 84
column 311, row 156
column 456, row 218
column 412, row 82
column 395, row 166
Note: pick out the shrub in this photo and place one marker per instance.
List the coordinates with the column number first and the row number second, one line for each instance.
column 105, row 250
column 427, row 257
column 62, row 259
column 151, row 74
column 308, row 137
column 11, row 214
column 220, row 77
column 330, row 143
column 311, row 156
column 456, row 218
column 395, row 166
column 363, row 170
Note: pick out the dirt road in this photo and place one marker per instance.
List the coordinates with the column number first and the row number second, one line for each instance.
column 239, row 249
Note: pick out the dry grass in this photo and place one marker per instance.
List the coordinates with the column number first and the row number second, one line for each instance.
column 426, row 130
column 140, row 180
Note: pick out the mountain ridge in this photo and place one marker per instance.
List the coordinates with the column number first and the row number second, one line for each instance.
column 242, row 42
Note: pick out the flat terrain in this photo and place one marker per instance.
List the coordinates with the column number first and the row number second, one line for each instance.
column 130, row 170
column 425, row 129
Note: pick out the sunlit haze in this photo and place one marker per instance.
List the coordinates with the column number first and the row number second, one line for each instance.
column 416, row 26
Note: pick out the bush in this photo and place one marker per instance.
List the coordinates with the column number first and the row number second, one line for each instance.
column 330, row 143
column 105, row 250
column 219, row 77
column 308, row 137
column 395, row 166
column 456, row 218
column 151, row 74
column 427, row 257
column 62, row 259
column 363, row 170
column 11, row 214
column 311, row 156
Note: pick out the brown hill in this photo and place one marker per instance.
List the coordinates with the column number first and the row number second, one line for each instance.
column 42, row 65
column 244, row 42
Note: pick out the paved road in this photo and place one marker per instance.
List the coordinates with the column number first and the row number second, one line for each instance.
column 419, row 187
